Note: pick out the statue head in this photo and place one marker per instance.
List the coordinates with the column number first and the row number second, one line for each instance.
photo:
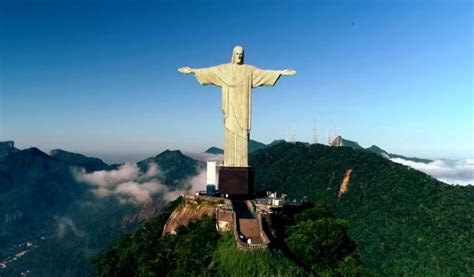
column 238, row 55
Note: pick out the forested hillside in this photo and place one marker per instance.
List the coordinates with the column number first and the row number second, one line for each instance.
column 314, row 242
column 52, row 224
column 403, row 221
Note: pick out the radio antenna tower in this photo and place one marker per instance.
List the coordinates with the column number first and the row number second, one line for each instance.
column 329, row 136
column 293, row 135
column 314, row 139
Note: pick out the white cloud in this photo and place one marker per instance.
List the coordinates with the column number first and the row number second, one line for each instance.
column 140, row 193
column 104, row 178
column 127, row 183
column 130, row 185
column 197, row 182
column 206, row 156
column 172, row 195
column 152, row 171
column 66, row 224
column 451, row 172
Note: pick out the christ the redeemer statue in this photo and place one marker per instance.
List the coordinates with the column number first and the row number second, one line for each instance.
column 236, row 80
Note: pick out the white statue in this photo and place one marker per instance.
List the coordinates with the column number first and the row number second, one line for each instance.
column 236, row 80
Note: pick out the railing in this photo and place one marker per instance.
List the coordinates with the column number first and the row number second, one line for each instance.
column 192, row 199
column 220, row 213
column 251, row 207
column 254, row 246
column 264, row 237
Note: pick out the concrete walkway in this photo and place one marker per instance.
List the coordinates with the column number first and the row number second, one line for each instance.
column 247, row 223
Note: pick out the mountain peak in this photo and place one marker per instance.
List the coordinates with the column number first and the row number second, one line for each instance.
column 7, row 147
column 89, row 163
column 350, row 143
column 35, row 152
column 170, row 153
column 59, row 153
column 252, row 147
column 7, row 143
column 56, row 152
column 214, row 150
column 375, row 149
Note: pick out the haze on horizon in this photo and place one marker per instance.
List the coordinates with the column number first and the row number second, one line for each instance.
column 100, row 77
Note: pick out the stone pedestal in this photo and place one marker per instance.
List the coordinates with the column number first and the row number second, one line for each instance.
column 236, row 181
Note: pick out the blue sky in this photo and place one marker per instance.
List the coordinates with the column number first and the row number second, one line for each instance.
column 100, row 76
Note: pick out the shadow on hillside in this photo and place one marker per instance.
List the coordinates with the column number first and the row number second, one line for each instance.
column 278, row 243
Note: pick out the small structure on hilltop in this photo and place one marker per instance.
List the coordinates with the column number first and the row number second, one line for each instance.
column 212, row 184
column 270, row 202
column 245, row 218
column 336, row 142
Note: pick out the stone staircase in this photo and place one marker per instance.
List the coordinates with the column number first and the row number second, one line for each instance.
column 249, row 226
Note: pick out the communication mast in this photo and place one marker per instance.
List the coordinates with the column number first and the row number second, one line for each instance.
column 314, row 139
column 293, row 135
column 329, row 136
column 337, row 140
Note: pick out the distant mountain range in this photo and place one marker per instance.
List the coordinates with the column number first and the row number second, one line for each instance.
column 7, row 147
column 58, row 221
column 214, row 150
column 174, row 165
column 75, row 159
column 379, row 151
column 255, row 146
column 61, row 224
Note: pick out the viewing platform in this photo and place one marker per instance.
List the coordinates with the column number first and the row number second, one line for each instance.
column 238, row 216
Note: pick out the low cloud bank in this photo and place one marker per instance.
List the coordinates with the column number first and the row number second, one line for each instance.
column 127, row 183
column 130, row 185
column 65, row 224
column 197, row 182
column 205, row 156
column 451, row 172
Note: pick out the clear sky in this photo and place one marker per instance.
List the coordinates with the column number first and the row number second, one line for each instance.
column 101, row 76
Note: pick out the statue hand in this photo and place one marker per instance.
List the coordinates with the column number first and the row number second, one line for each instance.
column 185, row 70
column 288, row 72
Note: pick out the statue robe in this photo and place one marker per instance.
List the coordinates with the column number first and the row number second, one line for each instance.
column 236, row 82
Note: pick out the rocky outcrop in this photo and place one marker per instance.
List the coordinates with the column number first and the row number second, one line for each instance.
column 90, row 164
column 185, row 214
column 6, row 148
column 344, row 187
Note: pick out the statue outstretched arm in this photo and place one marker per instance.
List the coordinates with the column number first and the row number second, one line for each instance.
column 186, row 70
column 288, row 72
column 269, row 77
column 205, row 76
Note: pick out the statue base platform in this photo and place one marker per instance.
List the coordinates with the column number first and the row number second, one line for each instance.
column 236, row 181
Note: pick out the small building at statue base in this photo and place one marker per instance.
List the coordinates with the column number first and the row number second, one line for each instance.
column 212, row 177
column 229, row 181
column 237, row 182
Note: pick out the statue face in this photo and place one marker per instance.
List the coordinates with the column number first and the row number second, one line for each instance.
column 238, row 55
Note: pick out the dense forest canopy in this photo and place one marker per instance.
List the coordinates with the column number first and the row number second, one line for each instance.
column 315, row 243
column 404, row 222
